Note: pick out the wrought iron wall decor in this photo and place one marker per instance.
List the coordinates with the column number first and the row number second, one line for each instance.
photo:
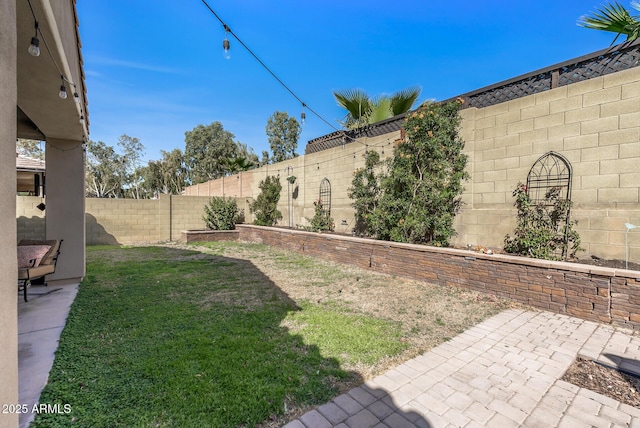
column 325, row 196
column 551, row 171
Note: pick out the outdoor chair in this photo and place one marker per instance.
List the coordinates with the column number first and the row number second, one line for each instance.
column 36, row 259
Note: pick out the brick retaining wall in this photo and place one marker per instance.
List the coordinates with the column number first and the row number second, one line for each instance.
column 588, row 292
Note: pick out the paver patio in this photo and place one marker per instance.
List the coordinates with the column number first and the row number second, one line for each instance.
column 503, row 372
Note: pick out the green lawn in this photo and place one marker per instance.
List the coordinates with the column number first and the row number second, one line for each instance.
column 164, row 337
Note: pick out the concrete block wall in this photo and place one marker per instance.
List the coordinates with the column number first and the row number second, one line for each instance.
column 185, row 213
column 124, row 221
column 31, row 223
column 595, row 124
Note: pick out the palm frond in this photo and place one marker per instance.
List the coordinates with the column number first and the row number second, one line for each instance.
column 355, row 101
column 615, row 18
column 403, row 100
column 357, row 104
column 381, row 110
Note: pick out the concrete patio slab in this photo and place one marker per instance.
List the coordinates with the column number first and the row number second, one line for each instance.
column 40, row 322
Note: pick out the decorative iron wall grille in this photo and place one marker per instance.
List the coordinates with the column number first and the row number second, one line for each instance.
column 551, row 171
column 325, row 196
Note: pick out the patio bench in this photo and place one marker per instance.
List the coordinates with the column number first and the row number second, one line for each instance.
column 36, row 259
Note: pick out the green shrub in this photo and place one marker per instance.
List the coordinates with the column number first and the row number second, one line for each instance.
column 264, row 207
column 542, row 230
column 221, row 214
column 417, row 195
column 365, row 191
column 321, row 220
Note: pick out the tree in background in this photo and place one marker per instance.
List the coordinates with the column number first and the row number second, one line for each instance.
column 250, row 158
column 207, row 150
column 105, row 171
column 132, row 151
column 265, row 206
column 283, row 132
column 30, row 148
column 265, row 160
column 167, row 175
column 363, row 110
column 615, row 18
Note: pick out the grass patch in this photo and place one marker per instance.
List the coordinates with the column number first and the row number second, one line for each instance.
column 169, row 337
column 352, row 339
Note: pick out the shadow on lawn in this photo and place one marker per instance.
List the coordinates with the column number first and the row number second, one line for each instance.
column 181, row 338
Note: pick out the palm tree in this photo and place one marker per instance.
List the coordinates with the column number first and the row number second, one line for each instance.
column 239, row 164
column 363, row 110
column 615, row 18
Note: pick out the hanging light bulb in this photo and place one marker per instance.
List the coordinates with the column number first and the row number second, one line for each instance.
column 76, row 97
column 63, row 90
column 226, row 46
column 81, row 120
column 303, row 115
column 34, row 47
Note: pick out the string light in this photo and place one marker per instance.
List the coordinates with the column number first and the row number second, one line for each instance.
column 34, row 50
column 34, row 47
column 63, row 90
column 303, row 115
column 226, row 45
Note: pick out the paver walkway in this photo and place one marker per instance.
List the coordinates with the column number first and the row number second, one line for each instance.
column 504, row 372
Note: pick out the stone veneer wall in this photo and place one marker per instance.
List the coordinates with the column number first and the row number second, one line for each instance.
column 588, row 292
column 595, row 124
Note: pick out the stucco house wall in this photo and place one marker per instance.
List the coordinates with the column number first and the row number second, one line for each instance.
column 30, row 108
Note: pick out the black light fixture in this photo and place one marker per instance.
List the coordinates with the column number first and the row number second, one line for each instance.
column 34, row 47
column 41, row 206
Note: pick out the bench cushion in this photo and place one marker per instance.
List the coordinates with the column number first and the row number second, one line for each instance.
column 27, row 253
column 48, row 258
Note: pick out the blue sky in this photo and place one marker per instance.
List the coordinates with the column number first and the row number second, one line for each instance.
column 155, row 69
